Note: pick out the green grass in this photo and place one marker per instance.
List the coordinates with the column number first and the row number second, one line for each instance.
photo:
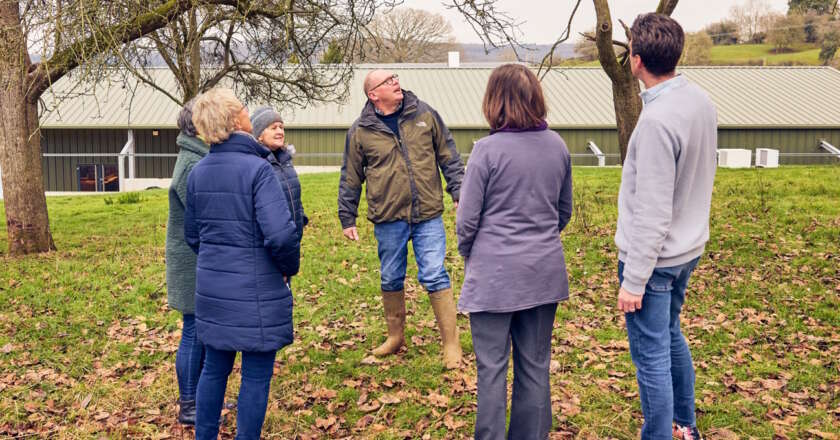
column 740, row 54
column 87, row 341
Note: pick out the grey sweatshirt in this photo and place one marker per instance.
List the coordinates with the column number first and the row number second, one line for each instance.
column 516, row 198
column 666, row 183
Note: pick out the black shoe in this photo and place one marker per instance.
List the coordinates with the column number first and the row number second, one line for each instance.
column 186, row 415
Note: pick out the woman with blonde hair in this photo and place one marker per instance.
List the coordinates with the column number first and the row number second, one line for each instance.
column 238, row 222
column 516, row 198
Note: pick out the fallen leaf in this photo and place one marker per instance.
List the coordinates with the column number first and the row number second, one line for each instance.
column 824, row 435
column 389, row 398
column 371, row 360
column 101, row 416
column 86, row 401
column 325, row 423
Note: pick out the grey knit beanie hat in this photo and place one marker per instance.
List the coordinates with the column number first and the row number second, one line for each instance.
column 262, row 118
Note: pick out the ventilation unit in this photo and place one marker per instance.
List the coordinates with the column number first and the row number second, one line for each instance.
column 734, row 158
column 766, row 158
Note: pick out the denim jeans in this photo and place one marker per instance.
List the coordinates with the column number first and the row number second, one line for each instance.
column 257, row 369
column 529, row 331
column 664, row 369
column 429, row 241
column 189, row 359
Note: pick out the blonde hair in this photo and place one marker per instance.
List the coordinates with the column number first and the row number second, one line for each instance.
column 214, row 113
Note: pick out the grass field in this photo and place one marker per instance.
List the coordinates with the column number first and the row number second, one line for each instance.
column 742, row 54
column 754, row 53
column 87, row 341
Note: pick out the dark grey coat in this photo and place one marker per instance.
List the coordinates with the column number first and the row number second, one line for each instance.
column 180, row 259
column 515, row 199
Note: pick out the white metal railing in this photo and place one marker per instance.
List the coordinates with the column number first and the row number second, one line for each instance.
column 834, row 151
column 127, row 151
column 602, row 159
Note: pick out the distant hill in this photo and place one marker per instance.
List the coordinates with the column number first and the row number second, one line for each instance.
column 475, row 53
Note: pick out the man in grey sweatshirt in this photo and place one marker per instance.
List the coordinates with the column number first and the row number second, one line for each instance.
column 663, row 223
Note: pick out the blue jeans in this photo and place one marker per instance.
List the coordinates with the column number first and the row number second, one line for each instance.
column 664, row 369
column 257, row 369
column 429, row 241
column 188, row 360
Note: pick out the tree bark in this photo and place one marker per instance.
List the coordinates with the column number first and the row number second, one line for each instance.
column 626, row 89
column 27, row 222
column 21, row 86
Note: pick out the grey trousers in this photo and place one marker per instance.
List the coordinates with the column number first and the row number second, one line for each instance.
column 530, row 332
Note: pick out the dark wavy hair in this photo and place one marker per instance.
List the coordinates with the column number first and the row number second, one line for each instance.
column 514, row 98
column 658, row 39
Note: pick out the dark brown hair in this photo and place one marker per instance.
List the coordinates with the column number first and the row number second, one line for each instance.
column 658, row 39
column 513, row 99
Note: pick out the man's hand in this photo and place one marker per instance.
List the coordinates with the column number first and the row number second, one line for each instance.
column 627, row 302
column 455, row 203
column 351, row 233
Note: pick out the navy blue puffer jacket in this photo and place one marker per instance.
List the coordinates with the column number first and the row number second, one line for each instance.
column 281, row 162
column 238, row 222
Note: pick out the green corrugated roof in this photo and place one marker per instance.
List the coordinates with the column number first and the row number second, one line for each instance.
column 577, row 97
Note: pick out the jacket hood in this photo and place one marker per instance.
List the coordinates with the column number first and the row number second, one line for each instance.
column 193, row 144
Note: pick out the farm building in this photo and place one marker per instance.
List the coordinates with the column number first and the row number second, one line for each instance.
column 791, row 109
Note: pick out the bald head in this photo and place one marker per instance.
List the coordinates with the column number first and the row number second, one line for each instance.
column 375, row 77
column 382, row 88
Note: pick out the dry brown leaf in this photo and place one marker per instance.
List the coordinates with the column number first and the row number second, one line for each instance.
column 389, row 399
column 824, row 435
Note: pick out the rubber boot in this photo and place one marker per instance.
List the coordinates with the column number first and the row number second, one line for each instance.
column 394, row 305
column 444, row 306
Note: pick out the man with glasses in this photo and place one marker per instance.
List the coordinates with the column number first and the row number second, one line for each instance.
column 399, row 145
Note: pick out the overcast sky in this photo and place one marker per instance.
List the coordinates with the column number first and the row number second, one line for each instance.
column 544, row 20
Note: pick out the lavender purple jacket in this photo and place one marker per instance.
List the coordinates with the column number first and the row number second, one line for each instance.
column 516, row 197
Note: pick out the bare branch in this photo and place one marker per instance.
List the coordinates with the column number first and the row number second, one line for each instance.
column 548, row 60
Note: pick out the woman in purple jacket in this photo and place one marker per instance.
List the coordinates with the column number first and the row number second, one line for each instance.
column 515, row 199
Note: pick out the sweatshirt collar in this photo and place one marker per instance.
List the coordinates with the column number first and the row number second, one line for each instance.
column 539, row 127
column 662, row 88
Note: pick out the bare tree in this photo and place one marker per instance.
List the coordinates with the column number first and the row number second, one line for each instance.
column 265, row 51
column 496, row 28
column 753, row 18
column 409, row 35
column 585, row 46
column 697, row 50
column 42, row 41
column 786, row 31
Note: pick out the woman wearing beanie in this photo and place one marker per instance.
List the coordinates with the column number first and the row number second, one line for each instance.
column 239, row 224
column 270, row 131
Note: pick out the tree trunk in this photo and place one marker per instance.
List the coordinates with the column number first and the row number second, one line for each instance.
column 628, row 106
column 626, row 89
column 27, row 223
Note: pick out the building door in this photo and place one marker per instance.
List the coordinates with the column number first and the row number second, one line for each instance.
column 97, row 177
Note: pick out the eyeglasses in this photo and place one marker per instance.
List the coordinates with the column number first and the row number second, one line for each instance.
column 391, row 80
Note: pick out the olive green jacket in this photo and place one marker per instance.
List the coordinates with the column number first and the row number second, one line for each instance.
column 180, row 259
column 403, row 181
